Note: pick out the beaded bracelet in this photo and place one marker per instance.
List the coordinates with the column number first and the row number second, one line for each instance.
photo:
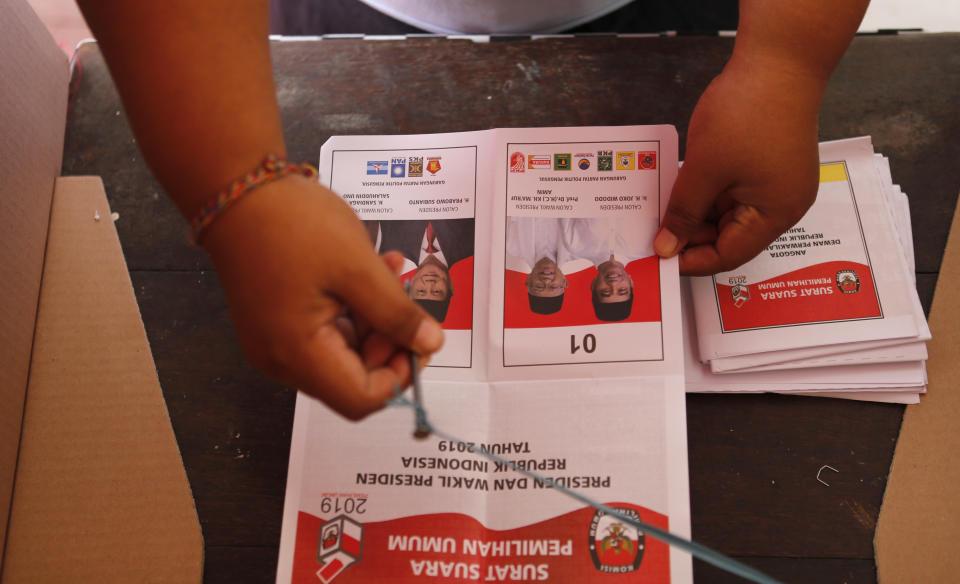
column 272, row 168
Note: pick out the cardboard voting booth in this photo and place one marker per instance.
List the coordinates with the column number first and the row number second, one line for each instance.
column 92, row 486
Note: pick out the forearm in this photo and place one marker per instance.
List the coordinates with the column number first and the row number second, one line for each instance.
column 794, row 44
column 197, row 85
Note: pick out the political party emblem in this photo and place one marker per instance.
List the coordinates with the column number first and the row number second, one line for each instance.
column 415, row 166
column 740, row 294
column 539, row 162
column 561, row 161
column 625, row 160
column 616, row 547
column 605, row 160
column 376, row 167
column 433, row 165
column 848, row 281
column 583, row 160
column 517, row 162
column 647, row 160
column 340, row 546
column 398, row 167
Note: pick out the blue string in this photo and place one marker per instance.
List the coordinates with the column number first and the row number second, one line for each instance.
column 697, row 550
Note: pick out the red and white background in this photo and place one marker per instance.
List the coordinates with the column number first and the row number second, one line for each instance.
column 615, row 182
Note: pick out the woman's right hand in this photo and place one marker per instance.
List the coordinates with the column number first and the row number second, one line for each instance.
column 312, row 303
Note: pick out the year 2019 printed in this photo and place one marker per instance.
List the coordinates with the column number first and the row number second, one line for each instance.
column 337, row 503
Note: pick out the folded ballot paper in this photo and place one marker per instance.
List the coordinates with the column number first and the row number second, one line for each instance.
column 830, row 307
column 534, row 250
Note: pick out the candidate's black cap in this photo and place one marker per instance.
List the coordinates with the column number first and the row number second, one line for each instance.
column 612, row 311
column 545, row 304
column 435, row 308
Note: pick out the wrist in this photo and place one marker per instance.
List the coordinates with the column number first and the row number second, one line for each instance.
column 776, row 85
column 271, row 169
column 259, row 215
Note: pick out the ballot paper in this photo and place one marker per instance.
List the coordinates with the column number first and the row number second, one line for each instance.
column 533, row 248
column 830, row 307
column 838, row 276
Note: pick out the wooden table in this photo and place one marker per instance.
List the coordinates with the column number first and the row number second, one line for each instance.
column 753, row 458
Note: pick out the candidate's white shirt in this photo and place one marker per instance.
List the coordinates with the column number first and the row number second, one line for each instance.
column 530, row 239
column 625, row 238
column 495, row 16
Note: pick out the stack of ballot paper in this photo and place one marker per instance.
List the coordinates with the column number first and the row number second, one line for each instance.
column 829, row 308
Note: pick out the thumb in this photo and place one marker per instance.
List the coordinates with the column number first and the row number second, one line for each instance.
column 373, row 294
column 691, row 201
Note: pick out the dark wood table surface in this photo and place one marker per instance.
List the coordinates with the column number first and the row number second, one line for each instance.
column 753, row 458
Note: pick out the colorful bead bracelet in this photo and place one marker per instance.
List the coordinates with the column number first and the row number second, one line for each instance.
column 272, row 168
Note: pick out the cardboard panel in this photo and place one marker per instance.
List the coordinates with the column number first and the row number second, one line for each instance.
column 919, row 523
column 100, row 494
column 33, row 105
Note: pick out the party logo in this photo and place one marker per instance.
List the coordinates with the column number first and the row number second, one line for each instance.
column 625, row 161
column 647, row 160
column 415, row 166
column 376, row 167
column 398, row 167
column 605, row 160
column 583, row 160
column 539, row 162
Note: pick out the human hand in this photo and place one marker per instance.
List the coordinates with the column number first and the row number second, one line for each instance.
column 312, row 304
column 751, row 169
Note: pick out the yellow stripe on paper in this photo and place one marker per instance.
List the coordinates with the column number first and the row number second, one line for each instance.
column 833, row 172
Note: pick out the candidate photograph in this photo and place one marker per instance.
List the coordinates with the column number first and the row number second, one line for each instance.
column 438, row 263
column 566, row 272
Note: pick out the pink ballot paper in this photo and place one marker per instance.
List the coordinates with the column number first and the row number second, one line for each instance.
column 533, row 248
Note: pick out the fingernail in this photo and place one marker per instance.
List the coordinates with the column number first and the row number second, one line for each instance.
column 429, row 336
column 666, row 244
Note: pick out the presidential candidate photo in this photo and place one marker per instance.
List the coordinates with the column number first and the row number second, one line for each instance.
column 433, row 246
